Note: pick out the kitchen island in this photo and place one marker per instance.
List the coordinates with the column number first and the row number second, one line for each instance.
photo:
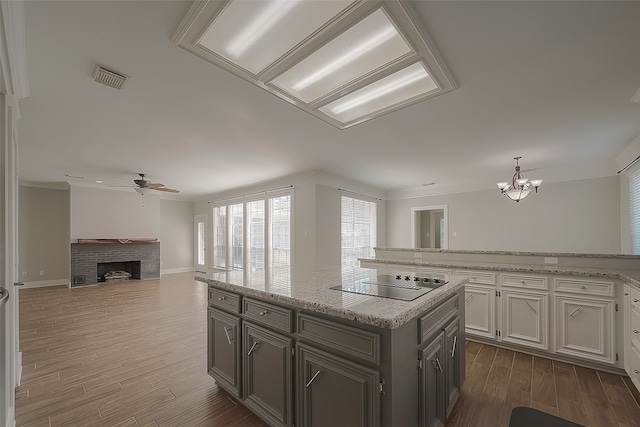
column 296, row 351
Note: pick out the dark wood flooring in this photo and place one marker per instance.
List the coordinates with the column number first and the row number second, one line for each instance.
column 133, row 354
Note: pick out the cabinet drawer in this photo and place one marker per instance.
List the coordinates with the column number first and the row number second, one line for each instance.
column 436, row 318
column 584, row 287
column 352, row 341
column 479, row 277
column 522, row 281
column 634, row 366
column 268, row 314
column 225, row 300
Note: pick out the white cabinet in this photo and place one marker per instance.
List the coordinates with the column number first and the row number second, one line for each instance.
column 583, row 327
column 585, row 319
column 525, row 316
column 480, row 311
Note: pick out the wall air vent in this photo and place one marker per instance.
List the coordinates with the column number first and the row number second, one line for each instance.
column 108, row 77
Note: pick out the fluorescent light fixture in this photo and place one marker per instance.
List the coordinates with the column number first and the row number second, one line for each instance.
column 381, row 90
column 342, row 61
column 271, row 15
column 347, row 57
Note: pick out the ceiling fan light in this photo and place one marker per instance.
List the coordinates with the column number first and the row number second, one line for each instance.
column 520, row 187
column 141, row 190
column 522, row 181
column 502, row 185
column 536, row 182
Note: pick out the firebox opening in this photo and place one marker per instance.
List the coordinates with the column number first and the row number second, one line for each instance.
column 118, row 271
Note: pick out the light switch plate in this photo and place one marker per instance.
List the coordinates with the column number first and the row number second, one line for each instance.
column 551, row 260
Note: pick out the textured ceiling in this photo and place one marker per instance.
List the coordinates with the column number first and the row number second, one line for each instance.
column 548, row 81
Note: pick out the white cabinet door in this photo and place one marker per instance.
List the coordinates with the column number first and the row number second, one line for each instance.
column 525, row 318
column 584, row 328
column 480, row 310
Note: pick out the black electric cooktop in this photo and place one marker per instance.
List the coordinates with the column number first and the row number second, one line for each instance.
column 396, row 287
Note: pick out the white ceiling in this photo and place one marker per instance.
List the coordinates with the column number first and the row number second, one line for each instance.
column 548, row 81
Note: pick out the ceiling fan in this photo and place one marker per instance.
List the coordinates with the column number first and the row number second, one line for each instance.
column 143, row 186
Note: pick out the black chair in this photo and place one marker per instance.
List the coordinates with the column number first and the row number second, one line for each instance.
column 528, row 417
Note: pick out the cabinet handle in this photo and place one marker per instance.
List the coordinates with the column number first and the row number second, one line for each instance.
column 226, row 332
column 583, row 287
column 529, row 305
column 625, row 294
column 635, row 331
column 474, row 278
column 437, row 365
column 313, row 378
column 453, row 350
column 575, row 311
column 468, row 298
column 253, row 347
column 523, row 282
column 221, row 298
column 636, row 300
column 635, row 371
column 263, row 312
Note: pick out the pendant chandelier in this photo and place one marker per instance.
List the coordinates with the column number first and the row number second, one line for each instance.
column 520, row 187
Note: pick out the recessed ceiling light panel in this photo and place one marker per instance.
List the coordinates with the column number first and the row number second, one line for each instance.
column 343, row 61
column 253, row 35
column 404, row 85
column 363, row 48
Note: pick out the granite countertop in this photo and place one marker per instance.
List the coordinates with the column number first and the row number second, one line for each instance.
column 630, row 277
column 308, row 287
column 541, row 254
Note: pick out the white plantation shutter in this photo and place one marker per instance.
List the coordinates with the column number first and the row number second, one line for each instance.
column 634, row 207
column 358, row 218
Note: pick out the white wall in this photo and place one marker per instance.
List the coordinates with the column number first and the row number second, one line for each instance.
column 43, row 235
column 576, row 216
column 176, row 236
column 107, row 214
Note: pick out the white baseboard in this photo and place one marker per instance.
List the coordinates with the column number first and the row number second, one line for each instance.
column 11, row 417
column 177, row 270
column 44, row 283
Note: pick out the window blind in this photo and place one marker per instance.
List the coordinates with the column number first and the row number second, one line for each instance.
column 358, row 229
column 634, row 208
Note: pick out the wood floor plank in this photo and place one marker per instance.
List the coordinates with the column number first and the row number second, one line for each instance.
column 543, row 388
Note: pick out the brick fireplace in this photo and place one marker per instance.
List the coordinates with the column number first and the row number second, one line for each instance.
column 85, row 258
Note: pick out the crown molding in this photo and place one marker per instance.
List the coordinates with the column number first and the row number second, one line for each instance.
column 13, row 62
column 631, row 152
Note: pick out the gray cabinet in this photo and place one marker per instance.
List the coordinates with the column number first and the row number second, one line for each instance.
column 266, row 370
column 440, row 376
column 432, row 384
column 334, row 392
column 223, row 350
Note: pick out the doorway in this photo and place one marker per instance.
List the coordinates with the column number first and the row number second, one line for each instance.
column 429, row 227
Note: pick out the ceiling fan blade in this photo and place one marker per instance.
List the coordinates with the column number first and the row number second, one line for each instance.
column 168, row 190
column 154, row 185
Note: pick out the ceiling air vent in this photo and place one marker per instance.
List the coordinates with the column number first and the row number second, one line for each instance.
column 108, row 77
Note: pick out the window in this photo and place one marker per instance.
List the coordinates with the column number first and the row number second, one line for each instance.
column 358, row 230
column 220, row 236
column 634, row 210
column 259, row 233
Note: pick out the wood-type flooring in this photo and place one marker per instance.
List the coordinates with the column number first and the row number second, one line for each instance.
column 134, row 354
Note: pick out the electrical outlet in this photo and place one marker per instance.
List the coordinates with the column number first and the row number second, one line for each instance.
column 42, row 272
column 24, row 274
column 551, row 260
column 455, row 234
column 417, row 255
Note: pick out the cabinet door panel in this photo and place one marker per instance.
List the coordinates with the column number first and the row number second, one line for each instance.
column 223, row 350
column 525, row 318
column 452, row 355
column 332, row 391
column 432, row 399
column 585, row 328
column 480, row 311
column 267, row 374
